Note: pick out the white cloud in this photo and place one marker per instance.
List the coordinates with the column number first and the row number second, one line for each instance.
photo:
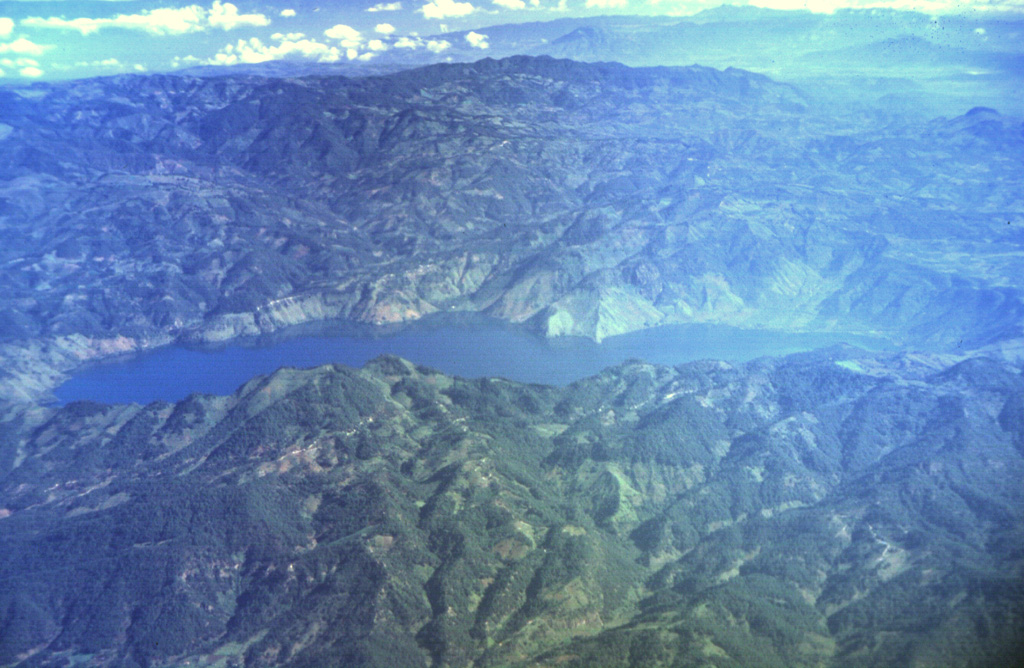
column 225, row 16
column 477, row 41
column 160, row 21
column 31, row 71
column 348, row 36
column 2, row 73
column 82, row 25
column 385, row 28
column 19, row 62
column 254, row 50
column 140, row 68
column 6, row 26
column 511, row 4
column 342, row 31
column 156, row 22
column 106, row 62
column 818, row 6
column 607, row 4
column 935, row 7
column 442, row 9
column 386, row 7
column 376, row 45
column 287, row 13
column 436, row 45
column 178, row 61
column 25, row 47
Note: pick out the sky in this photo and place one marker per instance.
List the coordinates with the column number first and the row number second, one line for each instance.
column 61, row 39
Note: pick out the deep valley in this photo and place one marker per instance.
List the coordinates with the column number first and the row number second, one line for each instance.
column 624, row 466
column 577, row 199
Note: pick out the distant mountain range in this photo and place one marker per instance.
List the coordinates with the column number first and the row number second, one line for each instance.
column 583, row 199
column 954, row 61
column 828, row 509
column 836, row 508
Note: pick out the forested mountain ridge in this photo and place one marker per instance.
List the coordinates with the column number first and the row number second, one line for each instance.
column 836, row 508
column 586, row 199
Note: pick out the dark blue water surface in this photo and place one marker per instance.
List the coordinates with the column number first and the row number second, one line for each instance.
column 484, row 348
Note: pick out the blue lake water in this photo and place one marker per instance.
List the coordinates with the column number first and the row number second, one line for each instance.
column 484, row 348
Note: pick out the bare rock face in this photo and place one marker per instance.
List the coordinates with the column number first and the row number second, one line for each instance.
column 834, row 508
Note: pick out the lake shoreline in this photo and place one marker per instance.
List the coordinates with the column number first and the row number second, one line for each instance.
column 469, row 346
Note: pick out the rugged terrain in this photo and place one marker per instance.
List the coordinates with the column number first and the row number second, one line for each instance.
column 582, row 199
column 835, row 508
column 924, row 64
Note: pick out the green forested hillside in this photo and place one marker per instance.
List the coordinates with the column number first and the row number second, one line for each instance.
column 836, row 508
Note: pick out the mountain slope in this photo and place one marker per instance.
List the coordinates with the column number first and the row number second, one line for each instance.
column 583, row 199
column 834, row 508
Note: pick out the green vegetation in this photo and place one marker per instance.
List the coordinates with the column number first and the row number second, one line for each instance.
column 394, row 516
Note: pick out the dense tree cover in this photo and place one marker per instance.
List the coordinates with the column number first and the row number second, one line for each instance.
column 788, row 512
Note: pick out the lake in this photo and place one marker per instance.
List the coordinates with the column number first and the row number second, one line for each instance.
column 468, row 347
